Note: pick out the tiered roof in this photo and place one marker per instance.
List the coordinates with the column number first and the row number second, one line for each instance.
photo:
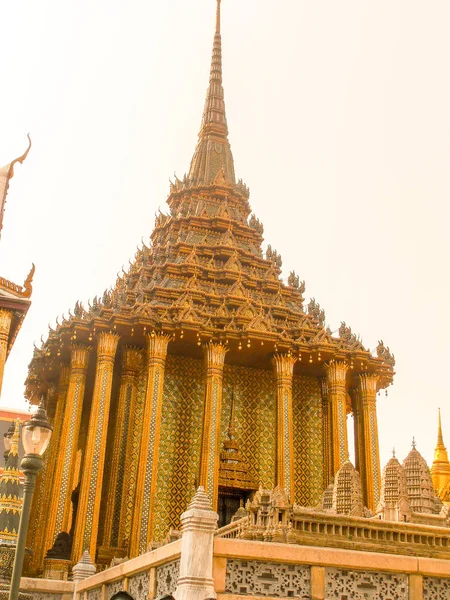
column 205, row 277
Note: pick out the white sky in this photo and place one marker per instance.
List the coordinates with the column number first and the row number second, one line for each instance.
column 339, row 123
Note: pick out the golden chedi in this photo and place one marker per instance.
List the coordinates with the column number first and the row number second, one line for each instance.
column 440, row 469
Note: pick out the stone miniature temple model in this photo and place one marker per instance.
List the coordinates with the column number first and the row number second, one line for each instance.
column 200, row 367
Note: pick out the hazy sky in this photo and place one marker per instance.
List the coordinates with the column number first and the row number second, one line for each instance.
column 339, row 123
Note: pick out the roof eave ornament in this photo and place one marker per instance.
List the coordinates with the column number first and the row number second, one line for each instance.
column 7, row 173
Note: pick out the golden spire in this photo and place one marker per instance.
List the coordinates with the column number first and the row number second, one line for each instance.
column 440, row 469
column 440, row 453
column 212, row 155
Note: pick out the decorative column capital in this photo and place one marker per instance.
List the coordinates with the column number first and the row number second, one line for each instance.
column 64, row 374
column 215, row 356
column 284, row 367
column 157, row 347
column 131, row 360
column 367, row 386
column 79, row 358
column 107, row 346
column 336, row 371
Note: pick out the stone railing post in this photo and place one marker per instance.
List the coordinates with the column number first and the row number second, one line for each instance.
column 198, row 524
column 82, row 570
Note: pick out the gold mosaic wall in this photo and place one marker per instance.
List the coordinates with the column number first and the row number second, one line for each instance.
column 255, row 412
column 179, row 450
column 308, row 431
column 255, row 420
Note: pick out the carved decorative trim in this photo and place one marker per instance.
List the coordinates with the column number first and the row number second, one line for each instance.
column 255, row 578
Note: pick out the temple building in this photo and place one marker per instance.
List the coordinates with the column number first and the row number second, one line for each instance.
column 14, row 299
column 201, row 366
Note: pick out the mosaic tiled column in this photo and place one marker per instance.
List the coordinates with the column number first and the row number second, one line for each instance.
column 44, row 491
column 210, row 449
column 326, row 438
column 59, row 506
column 368, row 390
column 336, row 372
column 132, row 454
column 88, row 512
column 358, row 429
column 131, row 362
column 5, row 325
column 143, row 517
column 284, row 371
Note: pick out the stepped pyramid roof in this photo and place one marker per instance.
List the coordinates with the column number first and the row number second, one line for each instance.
column 205, row 277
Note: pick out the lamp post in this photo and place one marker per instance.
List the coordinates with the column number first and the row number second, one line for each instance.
column 36, row 434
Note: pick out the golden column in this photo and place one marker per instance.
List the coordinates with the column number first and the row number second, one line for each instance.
column 118, row 483
column 143, row 517
column 284, row 371
column 358, row 428
column 336, row 372
column 132, row 456
column 367, row 384
column 45, row 490
column 210, row 450
column 88, row 512
column 5, row 325
column 327, row 449
column 60, row 500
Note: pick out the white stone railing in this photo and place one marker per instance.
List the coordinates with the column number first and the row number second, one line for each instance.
column 233, row 530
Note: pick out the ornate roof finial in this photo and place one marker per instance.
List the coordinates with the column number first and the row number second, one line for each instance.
column 7, row 173
column 414, row 443
column 440, row 440
column 213, row 153
column 218, row 17
column 393, row 452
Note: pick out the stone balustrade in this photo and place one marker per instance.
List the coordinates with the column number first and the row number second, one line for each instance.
column 286, row 570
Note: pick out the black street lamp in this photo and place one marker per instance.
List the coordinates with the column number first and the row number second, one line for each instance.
column 36, row 434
